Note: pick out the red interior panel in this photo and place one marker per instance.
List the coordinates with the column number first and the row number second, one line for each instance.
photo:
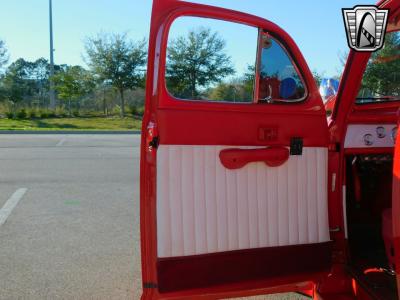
column 188, row 127
column 190, row 272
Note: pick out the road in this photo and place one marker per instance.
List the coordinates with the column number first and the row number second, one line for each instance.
column 73, row 232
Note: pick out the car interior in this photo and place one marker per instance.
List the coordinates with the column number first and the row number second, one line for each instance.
column 369, row 177
column 369, row 221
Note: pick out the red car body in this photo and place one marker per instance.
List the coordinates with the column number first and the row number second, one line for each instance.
column 317, row 267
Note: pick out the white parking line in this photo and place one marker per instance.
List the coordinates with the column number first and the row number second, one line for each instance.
column 61, row 142
column 11, row 203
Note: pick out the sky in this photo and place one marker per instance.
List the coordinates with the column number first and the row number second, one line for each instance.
column 316, row 26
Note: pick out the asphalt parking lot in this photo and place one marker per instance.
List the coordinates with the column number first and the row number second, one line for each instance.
column 73, row 232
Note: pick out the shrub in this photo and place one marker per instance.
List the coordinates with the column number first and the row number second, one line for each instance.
column 75, row 113
column 44, row 115
column 52, row 114
column 137, row 110
column 140, row 110
column 60, row 111
column 134, row 110
column 32, row 114
column 116, row 110
column 10, row 115
column 22, row 114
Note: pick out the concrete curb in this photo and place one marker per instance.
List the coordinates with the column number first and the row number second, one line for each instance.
column 70, row 132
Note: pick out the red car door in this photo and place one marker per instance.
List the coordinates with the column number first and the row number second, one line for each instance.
column 396, row 209
column 233, row 194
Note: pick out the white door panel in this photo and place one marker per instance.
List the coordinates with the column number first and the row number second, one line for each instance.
column 202, row 207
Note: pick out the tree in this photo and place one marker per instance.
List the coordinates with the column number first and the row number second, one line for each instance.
column 224, row 92
column 16, row 82
column 28, row 81
column 40, row 73
column 240, row 89
column 382, row 76
column 3, row 54
column 248, row 81
column 115, row 59
column 196, row 61
column 73, row 83
column 317, row 77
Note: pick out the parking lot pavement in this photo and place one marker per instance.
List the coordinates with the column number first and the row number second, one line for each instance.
column 74, row 233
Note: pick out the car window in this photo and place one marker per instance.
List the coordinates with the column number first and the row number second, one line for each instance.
column 207, row 62
column 381, row 79
column 279, row 78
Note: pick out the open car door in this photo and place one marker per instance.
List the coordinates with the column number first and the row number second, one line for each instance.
column 233, row 190
column 396, row 209
column 361, row 111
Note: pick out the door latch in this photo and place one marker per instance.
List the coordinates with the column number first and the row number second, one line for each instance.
column 296, row 146
column 154, row 142
column 152, row 138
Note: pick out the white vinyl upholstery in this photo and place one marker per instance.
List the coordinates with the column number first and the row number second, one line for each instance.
column 202, row 207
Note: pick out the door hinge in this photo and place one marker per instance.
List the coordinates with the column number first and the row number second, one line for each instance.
column 149, row 285
column 296, row 146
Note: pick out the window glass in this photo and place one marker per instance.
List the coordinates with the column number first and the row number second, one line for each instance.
column 279, row 79
column 211, row 60
column 381, row 79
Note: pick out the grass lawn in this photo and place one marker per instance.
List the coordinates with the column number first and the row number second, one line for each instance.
column 78, row 123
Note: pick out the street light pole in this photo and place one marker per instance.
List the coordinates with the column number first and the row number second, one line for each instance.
column 51, row 92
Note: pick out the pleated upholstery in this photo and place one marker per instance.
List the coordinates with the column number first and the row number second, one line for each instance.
column 202, row 207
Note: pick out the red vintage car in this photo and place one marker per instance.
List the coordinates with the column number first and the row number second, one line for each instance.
column 270, row 196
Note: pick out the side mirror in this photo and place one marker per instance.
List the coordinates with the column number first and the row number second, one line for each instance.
column 328, row 88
